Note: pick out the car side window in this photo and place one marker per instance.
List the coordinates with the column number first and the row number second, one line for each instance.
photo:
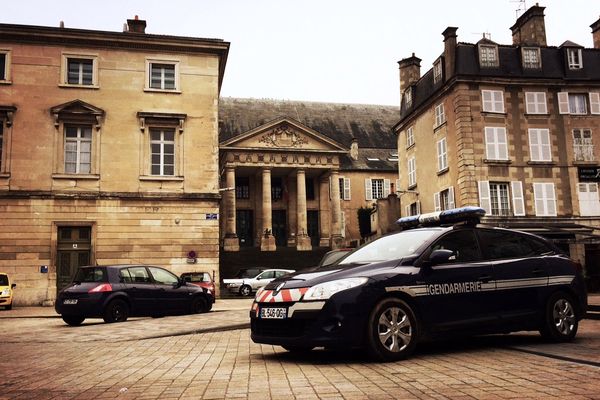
column 125, row 276
column 163, row 277
column 280, row 273
column 139, row 274
column 267, row 275
column 505, row 244
column 463, row 243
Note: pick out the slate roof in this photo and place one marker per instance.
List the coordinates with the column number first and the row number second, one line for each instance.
column 371, row 125
column 366, row 160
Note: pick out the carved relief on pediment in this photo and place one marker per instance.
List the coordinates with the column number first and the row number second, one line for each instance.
column 283, row 136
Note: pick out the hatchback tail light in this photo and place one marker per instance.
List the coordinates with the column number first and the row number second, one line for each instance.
column 105, row 287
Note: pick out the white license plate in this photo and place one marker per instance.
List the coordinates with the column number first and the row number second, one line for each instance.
column 70, row 301
column 273, row 313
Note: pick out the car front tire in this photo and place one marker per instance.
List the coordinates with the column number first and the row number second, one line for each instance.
column 200, row 305
column 560, row 318
column 116, row 311
column 245, row 290
column 73, row 320
column 393, row 330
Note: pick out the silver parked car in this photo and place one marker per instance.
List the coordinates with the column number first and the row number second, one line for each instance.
column 248, row 281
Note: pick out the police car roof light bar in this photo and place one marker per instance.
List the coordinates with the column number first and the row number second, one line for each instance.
column 467, row 214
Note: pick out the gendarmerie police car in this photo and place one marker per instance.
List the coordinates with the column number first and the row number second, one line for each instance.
column 453, row 276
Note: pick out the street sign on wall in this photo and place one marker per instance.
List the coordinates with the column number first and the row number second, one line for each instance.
column 588, row 174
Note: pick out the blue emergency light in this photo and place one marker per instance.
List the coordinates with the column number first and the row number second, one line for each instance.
column 453, row 216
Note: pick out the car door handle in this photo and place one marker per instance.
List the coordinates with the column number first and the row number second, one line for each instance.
column 485, row 278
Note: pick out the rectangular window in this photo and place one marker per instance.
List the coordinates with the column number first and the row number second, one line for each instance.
column 1, row 143
column 499, row 199
column 242, row 187
column 488, row 55
column 162, row 75
column 582, row 145
column 495, row 143
column 80, row 71
column 437, row 71
column 574, row 57
column 444, row 199
column 414, row 208
column 408, row 97
column 78, row 149
column 493, row 101
column 535, row 103
column 440, row 116
column 276, row 188
column 442, row 154
column 162, row 145
column 412, row 172
column 344, row 188
column 539, row 145
column 577, row 103
column 545, row 199
column 531, row 58
column 410, row 137
column 377, row 188
column 4, row 67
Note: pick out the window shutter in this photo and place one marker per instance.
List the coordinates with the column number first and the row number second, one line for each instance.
column 530, row 102
column 484, row 196
column 518, row 198
column 594, row 102
column 346, row 188
column 451, row 197
column 538, row 195
column 397, row 186
column 407, row 211
column 386, row 187
column 486, row 99
column 368, row 189
column 550, row 199
column 563, row 102
column 541, row 103
column 436, row 201
column 502, row 144
column 418, row 206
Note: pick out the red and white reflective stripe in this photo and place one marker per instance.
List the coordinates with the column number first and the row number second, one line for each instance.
column 283, row 296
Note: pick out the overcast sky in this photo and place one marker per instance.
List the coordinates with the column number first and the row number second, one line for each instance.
column 342, row 51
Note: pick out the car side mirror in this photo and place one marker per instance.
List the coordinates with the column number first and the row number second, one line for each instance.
column 14, row 285
column 441, row 256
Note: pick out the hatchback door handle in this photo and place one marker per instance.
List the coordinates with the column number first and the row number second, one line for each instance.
column 485, row 278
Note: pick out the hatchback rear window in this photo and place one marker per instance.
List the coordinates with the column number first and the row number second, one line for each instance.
column 91, row 275
column 197, row 277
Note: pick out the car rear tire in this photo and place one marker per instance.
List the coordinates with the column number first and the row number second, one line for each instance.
column 392, row 331
column 200, row 305
column 560, row 318
column 116, row 311
column 245, row 290
column 8, row 307
column 73, row 320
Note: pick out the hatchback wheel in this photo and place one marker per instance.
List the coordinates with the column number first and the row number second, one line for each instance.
column 73, row 320
column 200, row 305
column 560, row 318
column 245, row 290
column 392, row 330
column 116, row 311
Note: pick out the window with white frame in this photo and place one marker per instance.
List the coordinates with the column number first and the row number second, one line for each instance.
column 162, row 75
column 492, row 101
column 344, row 188
column 162, row 146
column 494, row 198
column 574, row 58
column 444, row 200
column 408, row 97
column 79, row 70
column 413, row 208
column 583, row 148
column 499, row 198
column 539, row 145
column 440, row 116
column 576, row 103
column 495, row 143
column 410, row 137
column 437, row 71
column 78, row 149
column 412, row 172
column 535, row 103
column 545, row 199
column 488, row 55
column 4, row 66
column 376, row 188
column 531, row 57
column 442, row 154
column 589, row 201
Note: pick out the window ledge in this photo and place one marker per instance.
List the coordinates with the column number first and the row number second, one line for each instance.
column 541, row 163
column 70, row 86
column 493, row 114
column 411, row 187
column 152, row 90
column 438, row 127
column 488, row 161
column 538, row 115
column 5, row 82
column 160, row 178
column 76, row 176
column 593, row 162
column 442, row 171
column 5, row 175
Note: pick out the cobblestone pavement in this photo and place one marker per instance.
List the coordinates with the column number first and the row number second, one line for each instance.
column 211, row 356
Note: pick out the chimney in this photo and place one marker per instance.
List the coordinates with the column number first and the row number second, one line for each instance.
column 354, row 149
column 410, row 72
column 136, row 25
column 596, row 33
column 449, row 51
column 530, row 28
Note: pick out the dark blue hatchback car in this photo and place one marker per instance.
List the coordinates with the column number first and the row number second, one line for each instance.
column 425, row 282
column 116, row 292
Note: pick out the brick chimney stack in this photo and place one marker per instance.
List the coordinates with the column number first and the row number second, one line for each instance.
column 530, row 28
column 136, row 25
column 410, row 72
column 449, row 51
column 596, row 33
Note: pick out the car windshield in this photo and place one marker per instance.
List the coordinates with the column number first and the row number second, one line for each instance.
column 200, row 277
column 3, row 280
column 247, row 273
column 390, row 247
column 91, row 275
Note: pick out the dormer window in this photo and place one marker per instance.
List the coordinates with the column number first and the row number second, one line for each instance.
column 488, row 55
column 408, row 97
column 531, row 58
column 437, row 71
column 574, row 58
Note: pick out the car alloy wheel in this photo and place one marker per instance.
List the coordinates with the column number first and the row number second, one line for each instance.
column 199, row 305
column 245, row 290
column 393, row 330
column 116, row 311
column 561, row 322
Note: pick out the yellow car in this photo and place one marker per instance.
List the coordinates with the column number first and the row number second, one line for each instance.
column 6, row 291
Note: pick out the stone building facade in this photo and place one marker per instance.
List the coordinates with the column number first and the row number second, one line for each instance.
column 511, row 128
column 109, row 152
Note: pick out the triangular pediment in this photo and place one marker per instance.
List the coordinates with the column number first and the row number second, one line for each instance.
column 77, row 107
column 285, row 134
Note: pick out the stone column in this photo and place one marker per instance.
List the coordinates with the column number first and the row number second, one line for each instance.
column 336, row 212
column 231, row 241
column 302, row 238
column 324, row 210
column 267, row 240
